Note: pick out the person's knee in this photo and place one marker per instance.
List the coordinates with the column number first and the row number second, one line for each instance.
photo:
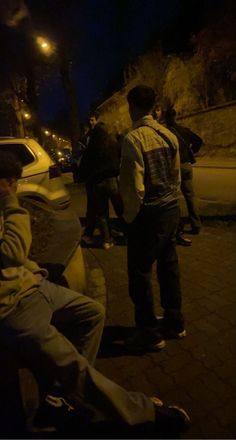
column 98, row 311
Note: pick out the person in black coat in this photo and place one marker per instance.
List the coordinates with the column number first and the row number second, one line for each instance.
column 189, row 145
column 100, row 168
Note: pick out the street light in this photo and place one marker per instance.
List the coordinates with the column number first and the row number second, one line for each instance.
column 45, row 46
column 27, row 115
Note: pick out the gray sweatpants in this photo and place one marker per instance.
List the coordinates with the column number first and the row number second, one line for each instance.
column 57, row 331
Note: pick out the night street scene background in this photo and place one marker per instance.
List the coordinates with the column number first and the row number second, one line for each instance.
column 61, row 60
column 95, row 46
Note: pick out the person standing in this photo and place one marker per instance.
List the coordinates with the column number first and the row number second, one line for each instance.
column 189, row 144
column 102, row 164
column 149, row 181
column 84, row 175
column 158, row 113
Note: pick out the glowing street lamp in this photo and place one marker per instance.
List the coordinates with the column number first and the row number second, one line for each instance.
column 45, row 46
column 27, row 115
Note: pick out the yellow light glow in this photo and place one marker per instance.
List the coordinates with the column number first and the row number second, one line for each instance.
column 27, row 115
column 47, row 132
column 45, row 46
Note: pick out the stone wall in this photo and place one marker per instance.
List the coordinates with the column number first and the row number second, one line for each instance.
column 215, row 125
column 217, row 128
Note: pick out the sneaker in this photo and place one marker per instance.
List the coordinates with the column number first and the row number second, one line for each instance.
column 53, row 415
column 183, row 241
column 107, row 245
column 170, row 330
column 171, row 419
column 156, row 401
column 143, row 340
column 117, row 234
column 87, row 239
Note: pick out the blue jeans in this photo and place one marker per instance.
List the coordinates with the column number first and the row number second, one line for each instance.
column 57, row 332
column 151, row 238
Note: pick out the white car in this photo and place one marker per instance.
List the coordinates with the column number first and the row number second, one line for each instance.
column 41, row 177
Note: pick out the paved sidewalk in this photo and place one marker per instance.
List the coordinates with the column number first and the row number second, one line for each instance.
column 199, row 371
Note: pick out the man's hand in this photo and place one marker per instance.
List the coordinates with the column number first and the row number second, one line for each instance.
column 7, row 186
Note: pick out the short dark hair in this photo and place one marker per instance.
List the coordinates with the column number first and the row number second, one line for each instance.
column 10, row 166
column 170, row 115
column 94, row 114
column 143, row 97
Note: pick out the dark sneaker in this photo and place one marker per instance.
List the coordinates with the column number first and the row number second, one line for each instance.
column 171, row 419
column 54, row 414
column 117, row 234
column 143, row 340
column 87, row 240
column 170, row 329
column 183, row 241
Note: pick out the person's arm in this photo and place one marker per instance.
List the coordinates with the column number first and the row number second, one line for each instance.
column 131, row 179
column 194, row 140
column 15, row 236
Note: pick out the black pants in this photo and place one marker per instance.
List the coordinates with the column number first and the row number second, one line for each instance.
column 151, row 237
column 91, row 213
column 188, row 193
column 106, row 191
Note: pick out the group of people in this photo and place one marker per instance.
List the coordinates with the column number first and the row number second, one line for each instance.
column 57, row 331
column 100, row 169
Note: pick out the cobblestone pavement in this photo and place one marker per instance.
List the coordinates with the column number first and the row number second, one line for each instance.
column 198, row 372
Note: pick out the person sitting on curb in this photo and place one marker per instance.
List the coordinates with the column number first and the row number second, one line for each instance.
column 57, row 332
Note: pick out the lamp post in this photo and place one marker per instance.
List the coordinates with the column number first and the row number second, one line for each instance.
column 48, row 48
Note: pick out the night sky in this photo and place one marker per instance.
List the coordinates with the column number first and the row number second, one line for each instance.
column 106, row 35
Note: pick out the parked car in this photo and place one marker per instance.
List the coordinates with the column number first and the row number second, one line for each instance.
column 41, row 177
column 64, row 159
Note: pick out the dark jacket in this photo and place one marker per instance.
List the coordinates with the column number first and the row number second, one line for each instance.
column 101, row 158
column 189, row 142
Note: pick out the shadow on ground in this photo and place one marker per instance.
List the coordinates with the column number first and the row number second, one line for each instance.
column 112, row 344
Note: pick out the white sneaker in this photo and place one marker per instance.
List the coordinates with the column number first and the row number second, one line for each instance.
column 107, row 245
